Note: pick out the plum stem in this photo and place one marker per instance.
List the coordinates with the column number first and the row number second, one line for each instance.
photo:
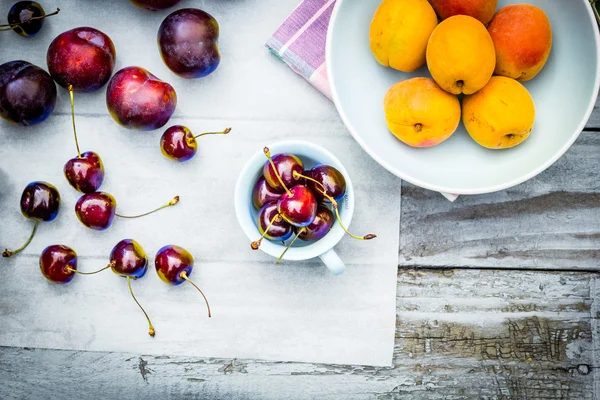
column 335, row 207
column 183, row 275
column 151, row 330
column 9, row 27
column 8, row 253
column 256, row 244
column 71, row 96
column 300, row 231
column 225, row 132
column 173, row 201
column 67, row 268
column 268, row 155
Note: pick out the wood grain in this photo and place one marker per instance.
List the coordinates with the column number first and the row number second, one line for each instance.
column 461, row 334
column 594, row 121
column 549, row 222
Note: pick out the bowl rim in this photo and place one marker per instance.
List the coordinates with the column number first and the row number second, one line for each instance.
column 446, row 189
column 243, row 204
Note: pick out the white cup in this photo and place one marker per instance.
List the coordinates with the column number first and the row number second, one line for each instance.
column 311, row 155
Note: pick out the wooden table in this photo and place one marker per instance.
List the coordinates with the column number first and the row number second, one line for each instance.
column 486, row 307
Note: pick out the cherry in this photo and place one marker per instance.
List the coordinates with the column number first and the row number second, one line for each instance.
column 27, row 93
column 187, row 40
column 136, row 99
column 298, row 206
column 278, row 170
column 271, row 225
column 174, row 266
column 86, row 172
column 39, row 202
column 328, row 177
column 81, row 59
column 128, row 259
column 319, row 227
column 155, row 5
column 26, row 18
column 264, row 193
column 58, row 263
column 179, row 143
column 97, row 210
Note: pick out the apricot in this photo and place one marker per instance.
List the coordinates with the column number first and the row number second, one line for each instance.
column 482, row 10
column 399, row 32
column 499, row 116
column 460, row 55
column 523, row 39
column 419, row 113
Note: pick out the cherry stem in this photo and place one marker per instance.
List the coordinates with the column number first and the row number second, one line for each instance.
column 67, row 268
column 335, row 207
column 225, row 132
column 8, row 253
column 268, row 155
column 71, row 96
column 183, row 275
column 256, row 244
column 174, row 201
column 290, row 245
column 151, row 330
column 8, row 27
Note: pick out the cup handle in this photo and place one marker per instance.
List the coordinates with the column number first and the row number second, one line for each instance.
column 333, row 262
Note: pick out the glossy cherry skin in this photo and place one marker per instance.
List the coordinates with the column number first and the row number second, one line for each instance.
column 136, row 99
column 279, row 230
column 155, row 5
column 82, row 58
column 27, row 93
column 263, row 193
column 187, row 40
column 178, row 143
column 96, row 210
column 128, row 258
column 85, row 173
column 171, row 261
column 54, row 261
column 20, row 14
column 286, row 164
column 332, row 179
column 319, row 227
column 298, row 208
column 40, row 201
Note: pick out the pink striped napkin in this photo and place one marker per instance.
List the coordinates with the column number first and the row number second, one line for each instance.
column 300, row 43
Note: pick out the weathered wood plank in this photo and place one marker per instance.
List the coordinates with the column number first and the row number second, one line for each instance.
column 551, row 221
column 461, row 334
column 594, row 121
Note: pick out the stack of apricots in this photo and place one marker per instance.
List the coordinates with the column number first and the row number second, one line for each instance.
column 475, row 54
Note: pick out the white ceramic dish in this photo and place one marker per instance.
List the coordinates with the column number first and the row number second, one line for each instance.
column 311, row 155
column 564, row 94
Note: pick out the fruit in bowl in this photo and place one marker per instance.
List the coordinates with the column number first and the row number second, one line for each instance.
column 482, row 10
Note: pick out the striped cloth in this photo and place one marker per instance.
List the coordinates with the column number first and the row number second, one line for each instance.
column 300, row 43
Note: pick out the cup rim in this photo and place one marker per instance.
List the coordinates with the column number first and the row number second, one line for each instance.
column 243, row 199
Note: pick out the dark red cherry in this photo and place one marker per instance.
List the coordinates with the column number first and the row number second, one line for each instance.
column 85, row 173
column 58, row 263
column 136, row 99
column 319, row 227
column 155, row 5
column 286, row 164
column 128, row 258
column 263, row 193
column 174, row 266
column 27, row 93
column 187, row 40
column 298, row 206
column 271, row 225
column 26, row 18
column 96, row 210
column 329, row 178
column 178, row 143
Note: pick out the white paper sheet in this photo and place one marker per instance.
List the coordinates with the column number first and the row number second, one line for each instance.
column 291, row 312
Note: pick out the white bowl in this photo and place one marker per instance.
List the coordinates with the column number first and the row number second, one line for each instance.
column 311, row 155
column 564, row 94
